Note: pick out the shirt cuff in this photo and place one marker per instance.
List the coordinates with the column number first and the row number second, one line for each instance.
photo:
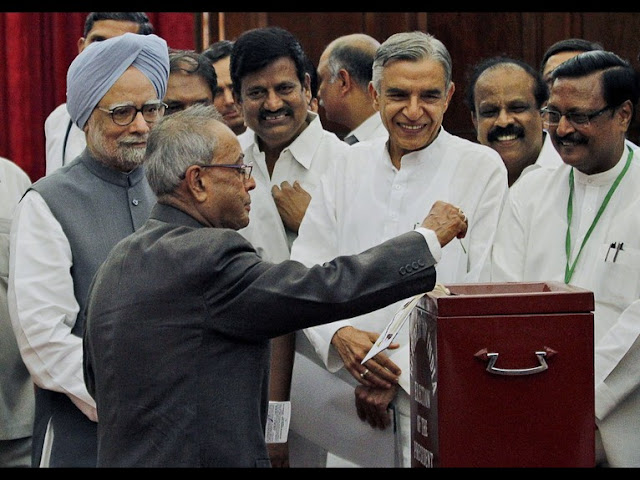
column 432, row 242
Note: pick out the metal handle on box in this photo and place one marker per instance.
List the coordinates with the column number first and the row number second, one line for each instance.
column 492, row 358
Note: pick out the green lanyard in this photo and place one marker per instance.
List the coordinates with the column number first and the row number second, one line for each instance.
column 568, row 271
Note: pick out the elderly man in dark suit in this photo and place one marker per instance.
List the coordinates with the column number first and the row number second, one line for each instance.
column 181, row 313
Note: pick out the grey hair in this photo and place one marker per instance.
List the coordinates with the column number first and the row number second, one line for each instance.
column 411, row 46
column 354, row 53
column 176, row 142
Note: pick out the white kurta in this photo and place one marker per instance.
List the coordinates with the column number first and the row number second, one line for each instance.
column 370, row 129
column 547, row 158
column 530, row 246
column 304, row 160
column 42, row 304
column 55, row 130
column 365, row 200
column 246, row 138
column 17, row 401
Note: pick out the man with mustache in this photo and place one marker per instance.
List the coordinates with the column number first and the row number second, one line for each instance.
column 289, row 152
column 67, row 223
column 505, row 96
column 579, row 223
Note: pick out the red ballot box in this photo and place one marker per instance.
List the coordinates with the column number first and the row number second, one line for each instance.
column 502, row 376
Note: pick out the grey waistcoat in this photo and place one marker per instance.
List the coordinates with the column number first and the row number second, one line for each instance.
column 96, row 207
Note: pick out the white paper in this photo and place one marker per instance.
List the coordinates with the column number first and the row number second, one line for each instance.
column 391, row 330
column 278, row 419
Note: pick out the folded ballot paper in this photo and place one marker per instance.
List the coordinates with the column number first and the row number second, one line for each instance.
column 391, row 330
column 278, row 418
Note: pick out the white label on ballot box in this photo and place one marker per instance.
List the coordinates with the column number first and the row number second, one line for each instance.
column 391, row 330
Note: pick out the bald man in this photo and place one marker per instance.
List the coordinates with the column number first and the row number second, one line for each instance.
column 67, row 223
column 344, row 73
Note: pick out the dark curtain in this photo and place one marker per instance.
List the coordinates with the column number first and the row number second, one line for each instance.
column 37, row 48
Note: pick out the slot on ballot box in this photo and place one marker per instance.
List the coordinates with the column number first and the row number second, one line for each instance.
column 502, row 375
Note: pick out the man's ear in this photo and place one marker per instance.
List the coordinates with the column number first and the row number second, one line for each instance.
column 626, row 114
column 374, row 96
column 195, row 183
column 306, row 86
column 474, row 120
column 345, row 81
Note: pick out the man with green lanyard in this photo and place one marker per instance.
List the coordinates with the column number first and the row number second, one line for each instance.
column 580, row 223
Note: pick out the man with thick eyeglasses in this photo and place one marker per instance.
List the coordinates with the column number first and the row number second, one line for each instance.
column 579, row 224
column 562, row 51
column 181, row 313
column 64, row 140
column 123, row 115
column 67, row 223
column 552, row 118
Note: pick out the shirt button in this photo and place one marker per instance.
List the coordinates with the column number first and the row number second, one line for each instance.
column 135, row 201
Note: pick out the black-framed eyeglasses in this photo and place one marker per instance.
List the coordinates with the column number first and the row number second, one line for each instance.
column 123, row 115
column 244, row 169
column 552, row 117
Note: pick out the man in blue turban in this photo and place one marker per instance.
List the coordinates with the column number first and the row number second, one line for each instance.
column 67, row 223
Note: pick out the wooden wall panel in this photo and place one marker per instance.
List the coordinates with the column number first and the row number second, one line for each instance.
column 469, row 36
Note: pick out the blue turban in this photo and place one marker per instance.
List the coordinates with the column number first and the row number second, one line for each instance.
column 94, row 71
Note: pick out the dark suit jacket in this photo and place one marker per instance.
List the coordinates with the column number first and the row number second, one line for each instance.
column 178, row 328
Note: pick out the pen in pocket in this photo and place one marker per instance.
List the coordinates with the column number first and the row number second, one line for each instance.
column 618, row 248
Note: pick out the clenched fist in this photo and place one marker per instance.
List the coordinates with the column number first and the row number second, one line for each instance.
column 447, row 221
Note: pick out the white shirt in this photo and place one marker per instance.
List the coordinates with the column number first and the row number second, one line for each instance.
column 547, row 158
column 16, row 390
column 55, row 130
column 13, row 183
column 246, row 138
column 42, row 304
column 530, row 246
column 304, row 160
column 364, row 200
column 371, row 128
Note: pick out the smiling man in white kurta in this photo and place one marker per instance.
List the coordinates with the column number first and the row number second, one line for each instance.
column 580, row 223
column 378, row 190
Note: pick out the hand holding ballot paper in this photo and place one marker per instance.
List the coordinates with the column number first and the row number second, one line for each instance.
column 444, row 222
column 391, row 330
